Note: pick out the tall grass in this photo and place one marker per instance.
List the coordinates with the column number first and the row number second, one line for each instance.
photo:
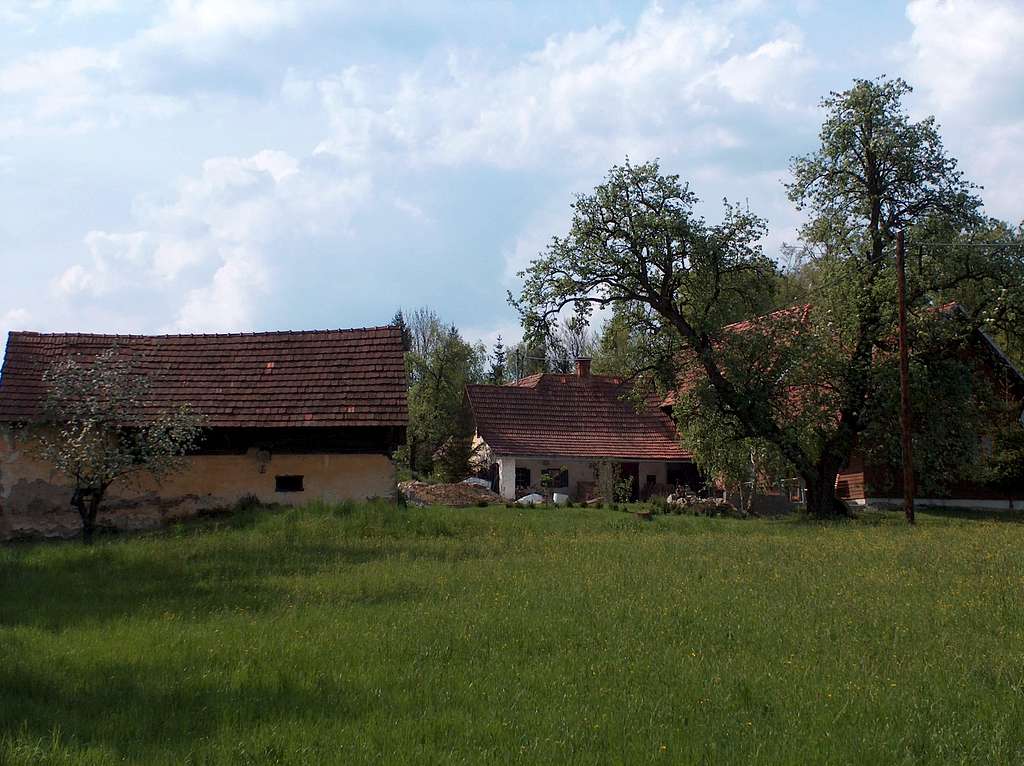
column 357, row 634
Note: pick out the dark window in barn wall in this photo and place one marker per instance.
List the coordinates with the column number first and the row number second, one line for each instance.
column 288, row 484
column 556, row 477
column 522, row 477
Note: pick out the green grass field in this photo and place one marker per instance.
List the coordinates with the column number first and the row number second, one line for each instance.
column 494, row 635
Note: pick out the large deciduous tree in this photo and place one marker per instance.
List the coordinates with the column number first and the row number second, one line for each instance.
column 98, row 429
column 795, row 387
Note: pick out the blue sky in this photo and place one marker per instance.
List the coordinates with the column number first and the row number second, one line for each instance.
column 225, row 165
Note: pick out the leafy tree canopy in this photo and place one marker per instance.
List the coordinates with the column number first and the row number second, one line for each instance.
column 798, row 387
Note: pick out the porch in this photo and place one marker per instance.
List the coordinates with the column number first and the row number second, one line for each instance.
column 514, row 476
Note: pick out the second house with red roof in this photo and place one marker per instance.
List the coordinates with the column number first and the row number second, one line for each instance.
column 553, row 431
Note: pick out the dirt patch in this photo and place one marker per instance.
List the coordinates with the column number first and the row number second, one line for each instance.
column 455, row 495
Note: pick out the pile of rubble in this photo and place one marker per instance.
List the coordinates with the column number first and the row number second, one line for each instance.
column 461, row 495
column 689, row 503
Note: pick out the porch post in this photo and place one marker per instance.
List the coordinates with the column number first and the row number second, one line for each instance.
column 507, row 477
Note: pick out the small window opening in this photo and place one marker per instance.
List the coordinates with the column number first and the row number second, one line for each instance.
column 288, row 484
column 652, row 479
column 522, row 477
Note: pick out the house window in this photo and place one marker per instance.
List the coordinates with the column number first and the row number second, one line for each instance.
column 522, row 477
column 652, row 479
column 288, row 484
column 556, row 477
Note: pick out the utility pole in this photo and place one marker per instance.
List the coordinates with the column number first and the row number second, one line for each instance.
column 908, row 458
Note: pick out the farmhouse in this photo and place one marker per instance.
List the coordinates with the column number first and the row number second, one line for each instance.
column 554, row 430
column 289, row 416
column 861, row 482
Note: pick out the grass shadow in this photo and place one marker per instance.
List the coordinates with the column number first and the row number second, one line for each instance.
column 58, row 586
column 972, row 514
column 110, row 699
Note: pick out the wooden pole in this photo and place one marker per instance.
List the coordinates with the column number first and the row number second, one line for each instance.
column 908, row 457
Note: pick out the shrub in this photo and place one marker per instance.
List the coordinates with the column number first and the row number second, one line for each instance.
column 344, row 508
column 660, row 505
column 247, row 503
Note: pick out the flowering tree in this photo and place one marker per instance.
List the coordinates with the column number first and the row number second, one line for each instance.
column 97, row 431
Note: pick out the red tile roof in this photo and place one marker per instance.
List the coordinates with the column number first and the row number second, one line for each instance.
column 692, row 372
column 274, row 379
column 572, row 417
column 800, row 316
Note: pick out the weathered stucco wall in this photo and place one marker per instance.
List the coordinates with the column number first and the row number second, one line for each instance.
column 578, row 470
column 35, row 501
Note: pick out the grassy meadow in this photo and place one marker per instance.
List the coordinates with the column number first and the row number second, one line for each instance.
column 374, row 634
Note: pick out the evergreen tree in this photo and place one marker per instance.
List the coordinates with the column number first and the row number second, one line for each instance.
column 399, row 322
column 497, row 374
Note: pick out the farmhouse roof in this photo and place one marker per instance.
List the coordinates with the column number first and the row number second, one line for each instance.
column 572, row 416
column 271, row 379
column 800, row 315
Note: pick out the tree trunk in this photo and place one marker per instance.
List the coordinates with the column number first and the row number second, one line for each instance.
column 88, row 505
column 820, row 489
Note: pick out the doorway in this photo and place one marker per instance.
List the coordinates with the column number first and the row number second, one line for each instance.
column 631, row 471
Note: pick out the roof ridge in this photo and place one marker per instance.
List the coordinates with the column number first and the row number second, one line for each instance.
column 254, row 334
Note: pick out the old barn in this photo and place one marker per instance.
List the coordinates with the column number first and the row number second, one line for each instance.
column 289, row 416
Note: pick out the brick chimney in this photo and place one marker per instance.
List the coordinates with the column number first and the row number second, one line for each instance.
column 583, row 367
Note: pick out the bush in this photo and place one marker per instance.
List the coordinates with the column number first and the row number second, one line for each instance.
column 247, row 503
column 660, row 505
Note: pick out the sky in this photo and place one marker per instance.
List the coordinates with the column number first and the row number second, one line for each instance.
column 242, row 165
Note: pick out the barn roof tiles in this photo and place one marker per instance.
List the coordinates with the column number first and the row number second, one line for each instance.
column 272, row 379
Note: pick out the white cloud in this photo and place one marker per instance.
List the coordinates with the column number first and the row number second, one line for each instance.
column 21, row 11
column 207, row 252
column 71, row 90
column 966, row 54
column 966, row 59
column 115, row 257
column 765, row 75
column 77, row 89
column 25, row 11
column 13, row 319
column 60, row 80
column 91, row 7
column 199, row 27
column 226, row 303
column 583, row 97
